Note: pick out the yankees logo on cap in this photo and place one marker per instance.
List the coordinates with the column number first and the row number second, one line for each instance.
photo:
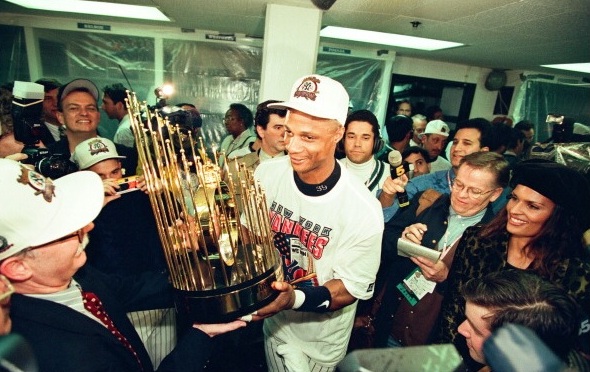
column 318, row 96
column 308, row 88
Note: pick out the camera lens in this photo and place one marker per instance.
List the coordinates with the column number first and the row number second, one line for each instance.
column 55, row 166
column 34, row 154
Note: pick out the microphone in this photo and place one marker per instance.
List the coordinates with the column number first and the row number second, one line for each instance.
column 398, row 168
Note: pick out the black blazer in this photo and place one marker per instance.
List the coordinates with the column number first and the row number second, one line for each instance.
column 64, row 340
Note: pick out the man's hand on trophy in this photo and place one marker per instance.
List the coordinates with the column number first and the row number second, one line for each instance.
column 213, row 330
column 284, row 301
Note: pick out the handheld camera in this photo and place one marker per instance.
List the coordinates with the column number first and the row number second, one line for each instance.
column 27, row 109
column 127, row 184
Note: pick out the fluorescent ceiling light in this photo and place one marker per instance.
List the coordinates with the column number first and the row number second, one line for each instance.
column 95, row 7
column 579, row 67
column 403, row 41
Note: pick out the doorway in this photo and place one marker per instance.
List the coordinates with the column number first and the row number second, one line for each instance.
column 454, row 98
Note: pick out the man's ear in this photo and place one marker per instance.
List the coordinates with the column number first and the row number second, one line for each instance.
column 496, row 194
column 485, row 149
column 339, row 133
column 60, row 117
column 259, row 130
column 15, row 269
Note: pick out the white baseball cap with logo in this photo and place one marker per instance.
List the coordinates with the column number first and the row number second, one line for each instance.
column 37, row 210
column 437, row 127
column 318, row 96
column 93, row 151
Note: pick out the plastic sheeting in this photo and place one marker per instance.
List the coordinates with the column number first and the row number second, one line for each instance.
column 362, row 78
column 102, row 58
column 537, row 98
column 210, row 75
column 13, row 55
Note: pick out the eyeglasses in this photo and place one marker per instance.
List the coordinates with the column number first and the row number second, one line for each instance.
column 6, row 289
column 471, row 192
column 79, row 233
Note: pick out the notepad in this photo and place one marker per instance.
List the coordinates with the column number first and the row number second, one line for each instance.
column 407, row 248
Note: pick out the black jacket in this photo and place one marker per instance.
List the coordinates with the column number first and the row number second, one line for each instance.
column 64, row 340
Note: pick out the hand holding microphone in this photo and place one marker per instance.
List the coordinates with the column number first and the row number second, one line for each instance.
column 398, row 169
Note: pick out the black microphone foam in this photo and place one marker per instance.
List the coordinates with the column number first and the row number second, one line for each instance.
column 398, row 169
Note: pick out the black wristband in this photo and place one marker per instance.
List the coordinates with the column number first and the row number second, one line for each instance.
column 317, row 299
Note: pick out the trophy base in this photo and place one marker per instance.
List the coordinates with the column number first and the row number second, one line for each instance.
column 226, row 304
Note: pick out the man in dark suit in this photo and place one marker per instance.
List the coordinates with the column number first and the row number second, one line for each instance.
column 53, row 130
column 43, row 233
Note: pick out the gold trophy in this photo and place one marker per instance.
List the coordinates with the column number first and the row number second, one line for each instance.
column 220, row 271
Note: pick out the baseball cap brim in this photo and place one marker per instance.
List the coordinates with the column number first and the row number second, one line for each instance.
column 29, row 220
column 308, row 108
column 303, row 106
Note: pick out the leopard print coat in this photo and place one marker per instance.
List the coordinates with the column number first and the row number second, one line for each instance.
column 476, row 256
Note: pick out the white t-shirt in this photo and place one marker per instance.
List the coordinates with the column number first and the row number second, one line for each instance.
column 239, row 146
column 439, row 164
column 124, row 135
column 339, row 233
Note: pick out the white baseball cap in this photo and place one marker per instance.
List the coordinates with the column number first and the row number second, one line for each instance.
column 437, row 127
column 37, row 210
column 318, row 96
column 94, row 150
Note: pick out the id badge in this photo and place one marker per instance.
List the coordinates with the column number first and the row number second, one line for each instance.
column 415, row 286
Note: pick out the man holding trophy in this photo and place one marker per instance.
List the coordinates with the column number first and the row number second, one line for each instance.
column 330, row 254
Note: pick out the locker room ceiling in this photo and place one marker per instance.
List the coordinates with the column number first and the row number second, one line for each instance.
column 498, row 34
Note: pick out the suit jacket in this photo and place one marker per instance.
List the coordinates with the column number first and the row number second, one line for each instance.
column 45, row 135
column 64, row 340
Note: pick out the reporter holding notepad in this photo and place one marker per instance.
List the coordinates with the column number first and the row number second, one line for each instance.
column 414, row 285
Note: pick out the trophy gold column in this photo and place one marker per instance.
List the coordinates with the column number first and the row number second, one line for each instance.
column 220, row 270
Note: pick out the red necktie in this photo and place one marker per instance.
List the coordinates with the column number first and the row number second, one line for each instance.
column 93, row 304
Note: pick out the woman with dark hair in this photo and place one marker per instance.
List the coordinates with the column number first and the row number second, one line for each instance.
column 540, row 230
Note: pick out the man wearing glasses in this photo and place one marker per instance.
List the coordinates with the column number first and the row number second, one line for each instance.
column 479, row 181
column 74, row 317
column 471, row 136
